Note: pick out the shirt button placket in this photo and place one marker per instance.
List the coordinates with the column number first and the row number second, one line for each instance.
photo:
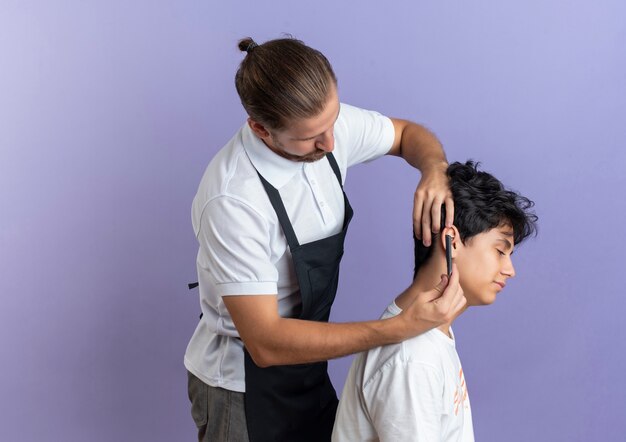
column 316, row 193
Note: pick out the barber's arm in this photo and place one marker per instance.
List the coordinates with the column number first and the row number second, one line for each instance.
column 273, row 340
column 240, row 251
column 422, row 150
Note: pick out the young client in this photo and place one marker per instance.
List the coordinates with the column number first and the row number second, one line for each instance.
column 416, row 390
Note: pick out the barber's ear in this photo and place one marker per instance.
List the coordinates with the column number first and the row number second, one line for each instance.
column 456, row 239
column 258, row 129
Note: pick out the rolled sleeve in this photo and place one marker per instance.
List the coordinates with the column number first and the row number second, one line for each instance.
column 247, row 288
column 236, row 240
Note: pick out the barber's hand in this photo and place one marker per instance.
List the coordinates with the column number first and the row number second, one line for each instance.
column 437, row 306
column 433, row 191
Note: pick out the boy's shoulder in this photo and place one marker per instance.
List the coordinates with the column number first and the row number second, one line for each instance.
column 430, row 349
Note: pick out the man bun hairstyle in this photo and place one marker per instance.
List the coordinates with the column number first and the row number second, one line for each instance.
column 247, row 45
column 282, row 80
column 481, row 203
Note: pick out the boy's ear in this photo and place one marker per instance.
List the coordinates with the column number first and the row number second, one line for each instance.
column 258, row 129
column 456, row 239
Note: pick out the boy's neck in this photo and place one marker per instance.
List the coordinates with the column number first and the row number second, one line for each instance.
column 429, row 276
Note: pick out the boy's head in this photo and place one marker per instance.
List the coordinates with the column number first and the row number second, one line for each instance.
column 488, row 222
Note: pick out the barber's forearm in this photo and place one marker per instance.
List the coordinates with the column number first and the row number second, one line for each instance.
column 273, row 340
column 295, row 341
column 419, row 147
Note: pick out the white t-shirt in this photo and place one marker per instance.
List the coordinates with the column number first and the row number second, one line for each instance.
column 243, row 250
column 412, row 391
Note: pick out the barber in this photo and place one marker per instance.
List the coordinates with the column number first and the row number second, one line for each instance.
column 270, row 216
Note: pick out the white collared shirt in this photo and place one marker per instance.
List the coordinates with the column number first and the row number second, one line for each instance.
column 242, row 249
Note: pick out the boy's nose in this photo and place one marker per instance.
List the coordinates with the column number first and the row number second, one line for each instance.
column 509, row 270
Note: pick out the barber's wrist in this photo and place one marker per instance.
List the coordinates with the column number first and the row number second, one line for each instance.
column 393, row 330
column 435, row 168
column 407, row 327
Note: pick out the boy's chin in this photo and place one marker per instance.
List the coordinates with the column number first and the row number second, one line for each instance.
column 482, row 299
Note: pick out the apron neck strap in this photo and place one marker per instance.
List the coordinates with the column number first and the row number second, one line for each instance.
column 335, row 167
column 279, row 207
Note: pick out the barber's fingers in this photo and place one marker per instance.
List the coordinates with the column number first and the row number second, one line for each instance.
column 460, row 303
column 436, row 214
column 457, row 302
column 449, row 202
column 422, row 211
column 438, row 290
column 418, row 207
column 453, row 281
column 426, row 235
column 447, row 303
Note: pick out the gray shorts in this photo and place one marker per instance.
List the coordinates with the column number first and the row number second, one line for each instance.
column 219, row 414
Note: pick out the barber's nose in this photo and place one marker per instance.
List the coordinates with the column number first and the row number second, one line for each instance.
column 326, row 142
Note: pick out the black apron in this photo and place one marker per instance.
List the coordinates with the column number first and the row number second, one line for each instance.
column 298, row 402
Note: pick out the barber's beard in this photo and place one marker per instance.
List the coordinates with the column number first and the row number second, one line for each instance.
column 312, row 157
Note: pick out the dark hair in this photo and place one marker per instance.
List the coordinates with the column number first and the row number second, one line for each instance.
column 481, row 203
column 281, row 80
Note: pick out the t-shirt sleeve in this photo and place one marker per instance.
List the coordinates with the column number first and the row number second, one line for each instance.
column 362, row 135
column 236, row 239
column 405, row 402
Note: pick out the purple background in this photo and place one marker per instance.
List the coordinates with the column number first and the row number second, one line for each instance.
column 110, row 111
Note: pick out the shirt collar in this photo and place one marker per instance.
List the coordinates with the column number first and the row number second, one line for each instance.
column 274, row 168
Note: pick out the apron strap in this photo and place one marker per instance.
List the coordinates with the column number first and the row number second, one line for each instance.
column 279, row 207
column 335, row 167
